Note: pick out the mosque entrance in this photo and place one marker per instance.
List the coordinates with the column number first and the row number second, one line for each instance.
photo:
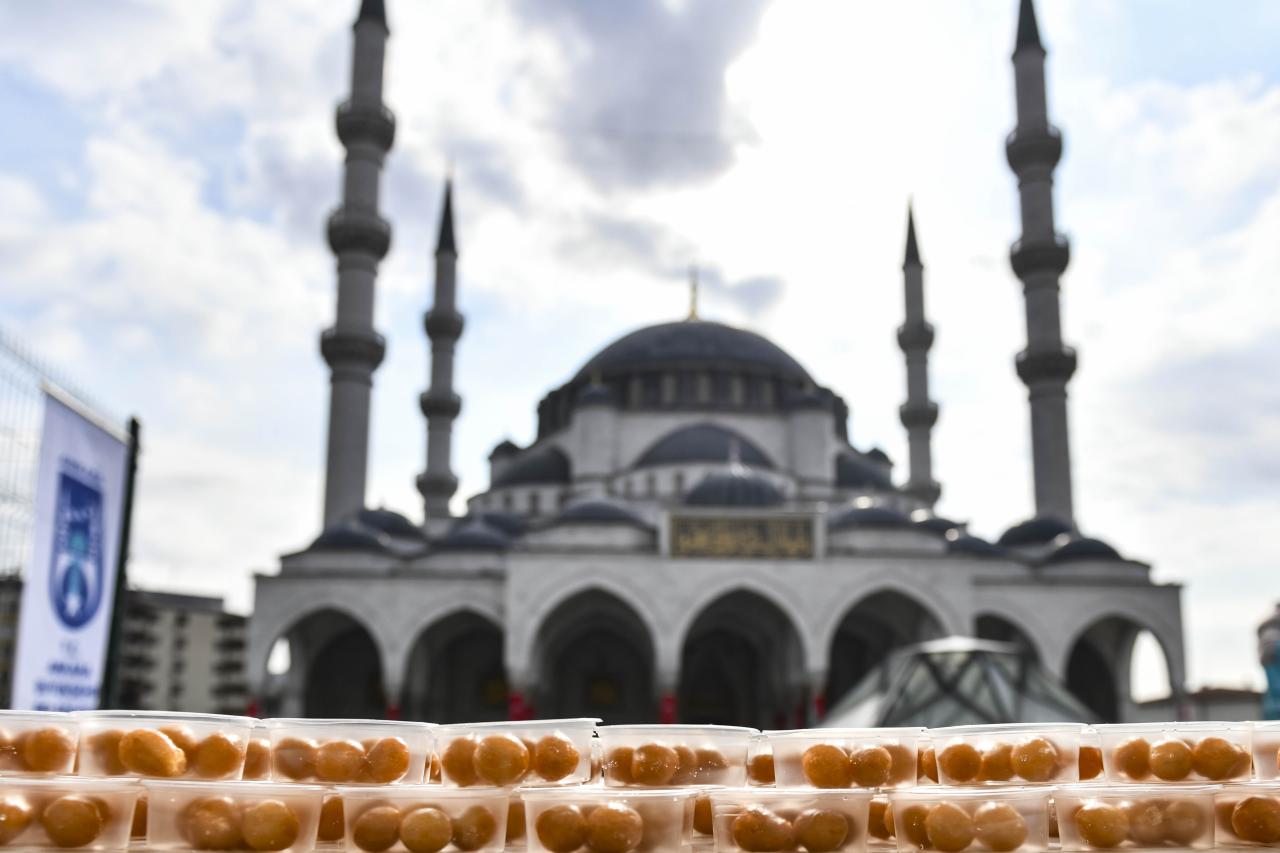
column 742, row 664
column 595, row 659
column 1100, row 668
column 317, row 646
column 875, row 626
column 456, row 673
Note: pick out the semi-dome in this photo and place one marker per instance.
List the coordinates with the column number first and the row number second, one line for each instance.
column 1034, row 531
column 389, row 522
column 936, row 523
column 702, row 443
column 693, row 343
column 473, row 534
column 735, row 488
column 545, row 465
column 868, row 517
column 855, row 473
column 350, row 534
column 1083, row 549
column 965, row 543
column 599, row 511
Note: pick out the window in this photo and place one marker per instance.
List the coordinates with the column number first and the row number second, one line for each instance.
column 507, row 501
column 651, row 485
column 534, row 502
column 677, row 481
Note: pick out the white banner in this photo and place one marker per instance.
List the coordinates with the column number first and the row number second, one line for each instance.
column 69, row 588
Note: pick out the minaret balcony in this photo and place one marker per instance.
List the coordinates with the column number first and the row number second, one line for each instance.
column 362, row 348
column 1043, row 365
column 355, row 229
column 364, row 122
column 918, row 414
column 1032, row 256
column 437, row 484
column 445, row 325
column 1033, row 146
column 915, row 336
column 434, row 403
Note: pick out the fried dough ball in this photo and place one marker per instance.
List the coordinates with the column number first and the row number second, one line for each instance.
column 47, row 750
column 757, row 830
column 821, row 830
column 433, row 772
column 474, row 828
column 217, row 756
column 618, row 765
column 1171, row 760
column 426, row 830
column 515, row 819
column 826, row 765
column 710, row 761
column 257, row 759
column 183, row 738
column 148, row 752
column 270, row 825
column 654, row 764
column 1036, row 759
column 960, row 762
column 904, row 767
column 687, row 768
column 1216, row 758
column 879, row 820
column 1133, row 758
column 999, row 827
column 997, row 763
column 703, row 818
column 71, row 821
column 1256, row 819
column 458, row 763
column 760, row 769
column 388, row 760
column 138, row 828
column 614, row 828
column 15, row 816
column 332, row 820
column 1222, row 814
column 1146, row 822
column 502, row 759
column 555, row 757
column 913, row 825
column 1184, row 822
column 8, row 752
column 105, row 749
column 949, row 827
column 211, row 823
column 1102, row 825
column 295, row 758
column 376, row 829
column 1090, row 762
column 561, row 829
column 870, row 766
column 339, row 761
column 928, row 765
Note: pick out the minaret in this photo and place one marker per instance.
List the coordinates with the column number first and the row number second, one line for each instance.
column 915, row 337
column 359, row 238
column 1039, row 258
column 440, row 404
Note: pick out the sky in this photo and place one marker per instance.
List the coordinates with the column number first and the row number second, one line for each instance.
column 166, row 169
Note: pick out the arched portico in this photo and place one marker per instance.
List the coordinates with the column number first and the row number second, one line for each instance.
column 869, row 630
column 321, row 644
column 1099, row 660
column 455, row 671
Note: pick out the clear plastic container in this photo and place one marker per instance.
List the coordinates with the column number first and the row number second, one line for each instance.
column 926, row 762
column 984, row 818
column 846, row 758
column 515, row 821
column 806, row 819
column 257, row 757
column 590, row 819
column 252, row 816
column 66, row 812
column 1176, row 752
column 1266, row 750
column 674, row 755
column 1104, row 817
column 880, row 822
column 1090, row 755
column 537, row 752
column 1015, row 754
column 162, row 745
column 760, row 770
column 1247, row 814
column 349, row 752
column 38, row 743
column 420, row 818
column 697, row 811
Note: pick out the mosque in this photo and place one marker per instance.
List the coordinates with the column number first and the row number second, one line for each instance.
column 692, row 535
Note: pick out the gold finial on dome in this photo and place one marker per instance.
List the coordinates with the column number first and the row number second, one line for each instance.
column 693, row 292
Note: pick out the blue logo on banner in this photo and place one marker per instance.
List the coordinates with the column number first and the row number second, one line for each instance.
column 75, row 578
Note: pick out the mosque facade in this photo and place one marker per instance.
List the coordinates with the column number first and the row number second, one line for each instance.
column 692, row 536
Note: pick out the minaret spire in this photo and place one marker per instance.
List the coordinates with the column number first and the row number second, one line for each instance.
column 440, row 404
column 1039, row 258
column 915, row 337
column 360, row 239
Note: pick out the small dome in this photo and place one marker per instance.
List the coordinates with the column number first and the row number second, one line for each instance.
column 597, row 511
column 702, row 443
column 735, row 488
column 936, row 523
column 879, row 455
column 868, row 517
column 390, row 522
column 350, row 535
column 855, row 473
column 1034, row 531
column 545, row 465
column 967, row 544
column 512, row 524
column 505, row 448
column 1084, row 549
column 596, row 395
column 473, row 534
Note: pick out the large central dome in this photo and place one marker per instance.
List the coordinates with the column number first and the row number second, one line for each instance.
column 693, row 343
